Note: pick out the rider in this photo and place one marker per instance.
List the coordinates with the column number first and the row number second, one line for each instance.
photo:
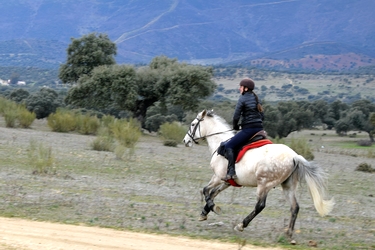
column 250, row 110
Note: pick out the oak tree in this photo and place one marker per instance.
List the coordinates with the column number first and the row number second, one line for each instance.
column 86, row 53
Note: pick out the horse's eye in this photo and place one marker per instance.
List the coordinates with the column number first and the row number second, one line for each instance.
column 193, row 125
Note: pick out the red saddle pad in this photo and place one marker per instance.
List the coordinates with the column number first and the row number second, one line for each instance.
column 255, row 144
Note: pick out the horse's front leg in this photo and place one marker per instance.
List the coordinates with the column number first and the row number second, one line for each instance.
column 214, row 187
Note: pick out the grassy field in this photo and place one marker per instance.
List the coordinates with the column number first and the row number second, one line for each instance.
column 158, row 189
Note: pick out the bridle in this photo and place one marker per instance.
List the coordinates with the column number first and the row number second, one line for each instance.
column 191, row 134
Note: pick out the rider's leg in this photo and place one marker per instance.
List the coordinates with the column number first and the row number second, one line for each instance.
column 231, row 172
column 231, row 147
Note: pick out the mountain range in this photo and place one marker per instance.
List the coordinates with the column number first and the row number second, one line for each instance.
column 328, row 34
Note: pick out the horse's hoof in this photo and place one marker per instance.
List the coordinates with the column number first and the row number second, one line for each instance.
column 239, row 227
column 216, row 209
column 203, row 217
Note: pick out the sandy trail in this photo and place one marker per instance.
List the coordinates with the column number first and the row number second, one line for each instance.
column 33, row 235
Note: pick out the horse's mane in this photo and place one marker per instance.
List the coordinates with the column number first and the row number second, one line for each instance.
column 218, row 118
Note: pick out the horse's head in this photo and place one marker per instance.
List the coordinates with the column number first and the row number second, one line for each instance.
column 196, row 130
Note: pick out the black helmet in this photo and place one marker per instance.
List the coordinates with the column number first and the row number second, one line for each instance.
column 247, row 82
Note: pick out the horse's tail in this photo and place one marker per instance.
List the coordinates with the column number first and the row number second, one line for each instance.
column 315, row 179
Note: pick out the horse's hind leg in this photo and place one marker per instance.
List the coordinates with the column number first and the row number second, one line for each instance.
column 261, row 204
column 214, row 187
column 289, row 187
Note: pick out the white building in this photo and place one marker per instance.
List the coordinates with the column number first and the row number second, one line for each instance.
column 4, row 82
column 7, row 82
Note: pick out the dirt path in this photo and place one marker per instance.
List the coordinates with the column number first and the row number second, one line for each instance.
column 29, row 235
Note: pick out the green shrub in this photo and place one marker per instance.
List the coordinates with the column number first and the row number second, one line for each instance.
column 10, row 117
column 365, row 167
column 25, row 117
column 62, row 121
column 120, row 152
column 302, row 148
column 153, row 122
column 41, row 158
column 127, row 134
column 14, row 112
column 103, row 141
column 170, row 143
column 9, row 110
column 107, row 120
column 282, row 239
column 86, row 124
column 44, row 102
column 172, row 132
column 3, row 105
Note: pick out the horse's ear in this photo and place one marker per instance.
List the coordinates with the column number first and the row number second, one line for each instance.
column 204, row 112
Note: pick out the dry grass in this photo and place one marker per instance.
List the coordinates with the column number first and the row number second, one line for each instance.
column 158, row 191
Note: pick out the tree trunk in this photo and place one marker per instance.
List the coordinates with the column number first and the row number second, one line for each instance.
column 371, row 136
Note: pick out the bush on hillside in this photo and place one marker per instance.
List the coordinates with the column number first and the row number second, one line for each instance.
column 10, row 117
column 102, row 143
column 301, row 147
column 41, row 158
column 126, row 133
column 14, row 113
column 87, row 124
column 25, row 118
column 19, row 95
column 43, row 103
column 104, row 140
column 62, row 121
column 172, row 132
column 365, row 167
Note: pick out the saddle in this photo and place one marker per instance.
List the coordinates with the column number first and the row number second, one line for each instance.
column 258, row 136
column 258, row 140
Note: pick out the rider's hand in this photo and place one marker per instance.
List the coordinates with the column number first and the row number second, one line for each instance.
column 236, row 127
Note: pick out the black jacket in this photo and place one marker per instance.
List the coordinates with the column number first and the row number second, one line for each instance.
column 247, row 110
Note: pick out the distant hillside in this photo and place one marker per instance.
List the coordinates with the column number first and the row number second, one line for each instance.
column 32, row 52
column 37, row 32
column 316, row 56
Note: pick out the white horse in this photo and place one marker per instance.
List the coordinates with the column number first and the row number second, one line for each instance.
column 265, row 168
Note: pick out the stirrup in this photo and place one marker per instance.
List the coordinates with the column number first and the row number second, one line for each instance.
column 228, row 177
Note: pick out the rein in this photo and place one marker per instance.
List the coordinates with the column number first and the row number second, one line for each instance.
column 195, row 140
column 222, row 132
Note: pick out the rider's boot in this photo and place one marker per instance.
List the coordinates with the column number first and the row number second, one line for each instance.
column 231, row 172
